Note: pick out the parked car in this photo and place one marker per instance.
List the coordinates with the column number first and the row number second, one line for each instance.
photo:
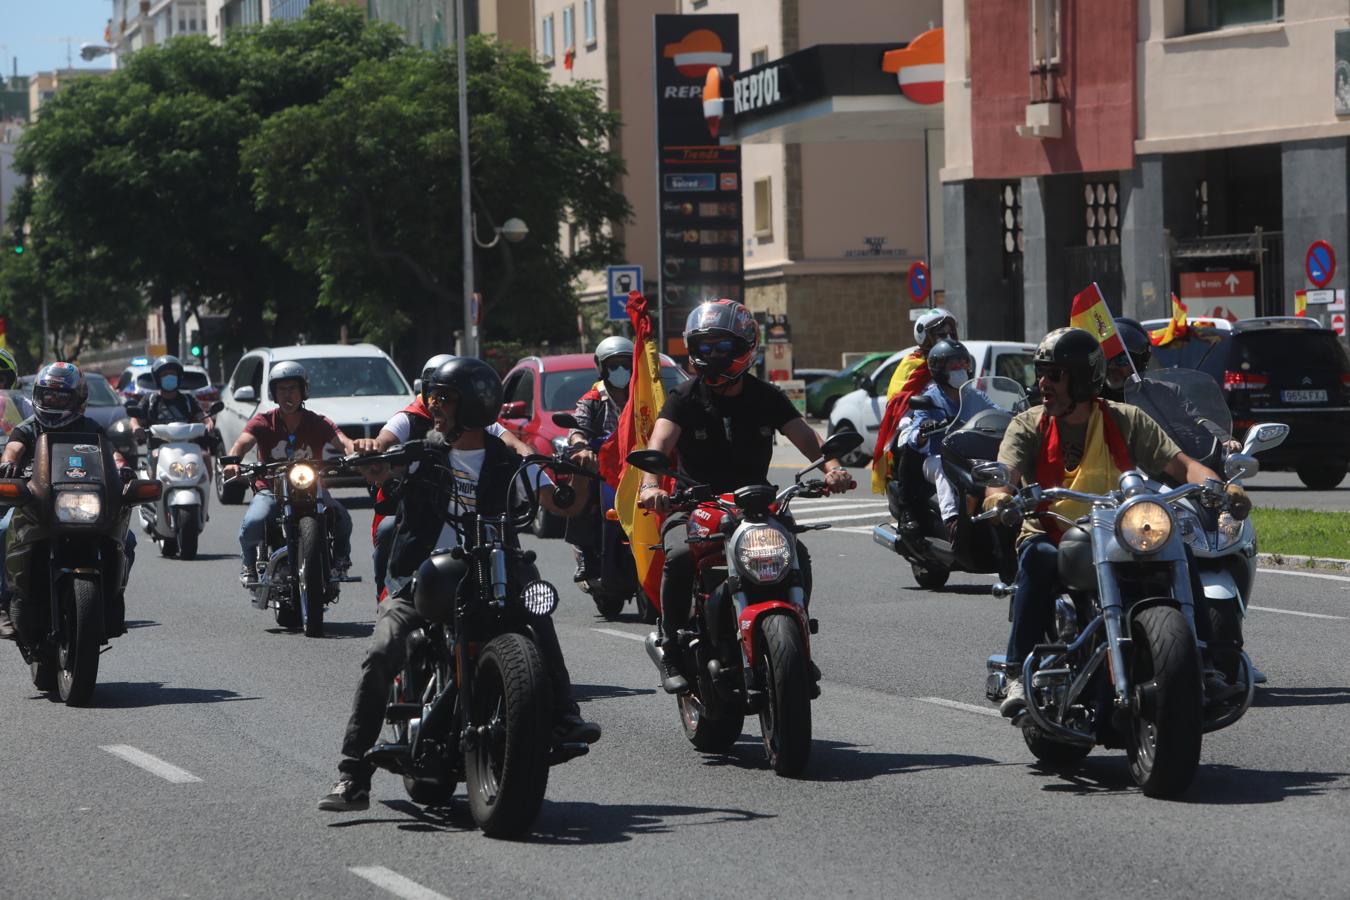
column 821, row 395
column 539, row 386
column 104, row 407
column 356, row 385
column 1277, row 369
column 861, row 410
column 136, row 381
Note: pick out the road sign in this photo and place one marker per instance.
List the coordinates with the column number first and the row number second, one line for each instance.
column 1325, row 296
column 1220, row 295
column 621, row 280
column 918, row 281
column 1320, row 263
column 1338, row 323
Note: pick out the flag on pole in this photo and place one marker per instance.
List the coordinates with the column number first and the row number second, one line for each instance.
column 1175, row 329
column 646, row 396
column 1091, row 314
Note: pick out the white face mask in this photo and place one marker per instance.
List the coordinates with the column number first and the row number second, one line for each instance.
column 618, row 378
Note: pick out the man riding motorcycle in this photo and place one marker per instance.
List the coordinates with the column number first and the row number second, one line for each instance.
column 721, row 422
column 464, row 396
column 287, row 432
column 1078, row 441
column 169, row 404
column 597, row 414
column 951, row 366
column 14, row 408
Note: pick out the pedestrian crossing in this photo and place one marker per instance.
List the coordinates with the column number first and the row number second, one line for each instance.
column 854, row 515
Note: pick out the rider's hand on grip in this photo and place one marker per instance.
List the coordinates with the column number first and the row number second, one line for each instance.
column 837, row 480
column 10, row 470
column 1239, row 504
column 655, row 499
column 564, row 495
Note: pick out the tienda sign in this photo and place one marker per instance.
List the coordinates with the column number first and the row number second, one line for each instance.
column 919, row 67
column 696, row 53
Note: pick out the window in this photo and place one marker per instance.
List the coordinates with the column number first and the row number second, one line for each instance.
column 546, row 38
column 882, row 380
column 759, row 57
column 1101, row 213
column 1211, row 15
column 569, row 35
column 588, row 21
column 247, row 374
column 764, row 208
column 1012, row 219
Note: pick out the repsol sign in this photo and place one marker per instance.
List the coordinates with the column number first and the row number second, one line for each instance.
column 758, row 90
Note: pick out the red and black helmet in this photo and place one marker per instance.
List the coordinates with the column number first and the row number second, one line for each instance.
column 721, row 336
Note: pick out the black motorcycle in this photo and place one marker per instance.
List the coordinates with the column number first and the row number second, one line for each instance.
column 474, row 701
column 295, row 576
column 70, row 520
column 971, row 438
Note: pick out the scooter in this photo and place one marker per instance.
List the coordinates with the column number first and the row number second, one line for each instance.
column 175, row 456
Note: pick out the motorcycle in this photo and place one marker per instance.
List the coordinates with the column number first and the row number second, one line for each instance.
column 1131, row 675
column 473, row 702
column 1224, row 548
column 71, row 516
column 176, row 458
column 747, row 646
column 987, row 406
column 295, row 576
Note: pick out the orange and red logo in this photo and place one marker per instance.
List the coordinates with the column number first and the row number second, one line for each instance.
column 919, row 67
column 697, row 52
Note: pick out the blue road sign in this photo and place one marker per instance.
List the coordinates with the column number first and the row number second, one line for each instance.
column 918, row 281
column 1320, row 263
column 621, row 280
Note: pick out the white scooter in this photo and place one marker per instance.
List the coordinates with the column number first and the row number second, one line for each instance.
column 176, row 454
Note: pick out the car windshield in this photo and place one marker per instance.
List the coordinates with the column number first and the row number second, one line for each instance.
column 191, row 381
column 100, row 392
column 562, row 390
column 353, row 376
column 1189, row 406
column 1017, row 366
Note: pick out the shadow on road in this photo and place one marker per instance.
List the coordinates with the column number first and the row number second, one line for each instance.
column 973, row 590
column 212, row 557
column 332, row 630
column 454, row 817
column 583, row 692
column 839, row 761
column 1214, row 784
column 141, row 623
column 597, row 823
column 139, row 694
column 1309, row 696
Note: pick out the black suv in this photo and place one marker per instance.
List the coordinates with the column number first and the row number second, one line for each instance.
column 1279, row 369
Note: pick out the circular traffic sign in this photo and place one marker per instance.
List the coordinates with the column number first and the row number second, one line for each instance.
column 1320, row 263
column 918, row 281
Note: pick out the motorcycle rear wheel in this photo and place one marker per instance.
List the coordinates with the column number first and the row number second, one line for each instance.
column 785, row 720
column 311, row 578
column 708, row 734
column 82, row 635
column 1165, row 751
column 609, row 605
column 506, row 768
column 930, row 578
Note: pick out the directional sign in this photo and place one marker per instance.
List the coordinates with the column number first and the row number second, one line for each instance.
column 1320, row 263
column 918, row 281
column 621, row 280
column 1220, row 295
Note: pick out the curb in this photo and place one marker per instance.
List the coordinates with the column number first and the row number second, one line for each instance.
column 1283, row 561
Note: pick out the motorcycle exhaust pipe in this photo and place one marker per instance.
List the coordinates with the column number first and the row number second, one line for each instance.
column 654, row 650
column 886, row 537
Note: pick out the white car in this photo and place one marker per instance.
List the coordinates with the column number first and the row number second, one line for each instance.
column 356, row 385
column 862, row 409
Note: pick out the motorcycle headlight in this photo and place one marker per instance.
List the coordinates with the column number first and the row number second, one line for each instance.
column 763, row 553
column 301, row 476
column 1144, row 527
column 78, row 507
column 1192, row 531
column 1230, row 530
column 177, row 470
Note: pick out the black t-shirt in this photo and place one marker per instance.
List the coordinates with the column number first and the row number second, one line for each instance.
column 27, row 431
column 161, row 410
column 727, row 442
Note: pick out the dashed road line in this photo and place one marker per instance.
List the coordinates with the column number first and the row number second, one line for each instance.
column 395, row 883
column 1306, row 574
column 622, row 634
column 879, row 514
column 964, row 707
column 1294, row 612
column 152, row 764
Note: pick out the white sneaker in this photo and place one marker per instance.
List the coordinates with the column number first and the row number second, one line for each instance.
column 1016, row 699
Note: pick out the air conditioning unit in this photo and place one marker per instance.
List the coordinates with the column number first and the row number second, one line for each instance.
column 1044, row 120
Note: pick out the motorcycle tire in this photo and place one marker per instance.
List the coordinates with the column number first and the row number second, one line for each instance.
column 312, row 577
column 1053, row 753
column 646, row 610
column 506, row 768
column 609, row 605
column 1225, row 620
column 1164, row 750
column 168, row 547
column 82, row 635
column 709, row 734
column 426, row 792
column 785, row 720
column 930, row 578
column 187, row 533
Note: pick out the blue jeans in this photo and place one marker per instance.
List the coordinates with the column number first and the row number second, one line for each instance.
column 1033, row 598
column 253, row 530
column 384, row 545
column 4, row 532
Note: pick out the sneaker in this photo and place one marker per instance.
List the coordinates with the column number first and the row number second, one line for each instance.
column 7, row 632
column 246, row 573
column 347, row 795
column 1016, row 699
column 572, row 729
column 672, row 680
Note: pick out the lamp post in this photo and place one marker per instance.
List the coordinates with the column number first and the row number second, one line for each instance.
column 465, row 212
column 90, row 52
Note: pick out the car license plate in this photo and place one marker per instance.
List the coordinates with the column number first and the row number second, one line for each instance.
column 1303, row 396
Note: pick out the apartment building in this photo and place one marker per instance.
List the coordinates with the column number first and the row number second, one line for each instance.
column 142, row 23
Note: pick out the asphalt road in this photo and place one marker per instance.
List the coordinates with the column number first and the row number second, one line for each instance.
column 212, row 736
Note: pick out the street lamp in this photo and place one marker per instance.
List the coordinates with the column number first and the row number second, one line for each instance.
column 90, row 52
column 513, row 229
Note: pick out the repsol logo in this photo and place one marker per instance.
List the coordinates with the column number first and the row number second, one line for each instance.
column 679, row 92
column 757, row 90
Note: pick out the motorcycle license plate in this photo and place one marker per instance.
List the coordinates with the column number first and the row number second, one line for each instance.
column 1303, row 396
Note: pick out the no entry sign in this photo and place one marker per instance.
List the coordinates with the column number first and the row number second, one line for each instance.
column 1320, row 263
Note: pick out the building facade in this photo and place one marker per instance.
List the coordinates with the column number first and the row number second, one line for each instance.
column 142, row 23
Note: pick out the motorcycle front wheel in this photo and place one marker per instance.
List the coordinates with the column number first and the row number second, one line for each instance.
column 82, row 635
column 785, row 720
column 506, row 766
column 311, row 577
column 609, row 605
column 1164, row 742
column 187, row 533
column 706, row 733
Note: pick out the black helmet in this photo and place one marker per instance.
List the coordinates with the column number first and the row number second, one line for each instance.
column 721, row 337
column 1136, row 340
column 163, row 366
column 287, row 370
column 950, row 355
column 1081, row 357
column 59, row 394
column 479, row 388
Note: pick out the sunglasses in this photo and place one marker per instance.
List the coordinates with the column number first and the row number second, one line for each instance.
column 707, row 348
column 441, row 398
column 1052, row 374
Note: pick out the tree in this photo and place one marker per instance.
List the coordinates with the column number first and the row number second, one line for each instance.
column 371, row 175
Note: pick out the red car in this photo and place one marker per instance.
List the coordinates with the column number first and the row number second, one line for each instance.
column 540, row 386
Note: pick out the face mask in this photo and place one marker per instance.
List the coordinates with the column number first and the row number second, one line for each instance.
column 958, row 377
column 619, row 378
column 169, row 382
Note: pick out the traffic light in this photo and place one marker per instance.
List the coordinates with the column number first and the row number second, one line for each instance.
column 195, row 343
column 18, row 248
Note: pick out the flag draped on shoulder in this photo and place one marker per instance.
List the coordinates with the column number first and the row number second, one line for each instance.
column 1176, row 328
column 1091, row 314
column 646, row 396
column 915, row 369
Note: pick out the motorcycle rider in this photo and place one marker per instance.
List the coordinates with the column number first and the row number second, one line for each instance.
column 951, row 366
column 168, row 404
column 721, row 422
column 597, row 414
column 14, row 408
column 59, row 396
column 287, row 432
column 465, row 395
column 1079, row 441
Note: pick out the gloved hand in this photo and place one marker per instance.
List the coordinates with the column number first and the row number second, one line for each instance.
column 931, row 425
column 993, row 500
column 10, row 470
column 1239, row 504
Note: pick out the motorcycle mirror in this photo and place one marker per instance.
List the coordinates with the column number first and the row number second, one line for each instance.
column 215, row 408
column 1241, row 465
column 991, row 474
column 1265, row 436
column 651, row 461
column 228, row 460
column 565, row 420
column 839, row 443
column 921, row 402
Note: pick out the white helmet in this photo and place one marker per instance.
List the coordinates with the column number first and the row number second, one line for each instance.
column 929, row 320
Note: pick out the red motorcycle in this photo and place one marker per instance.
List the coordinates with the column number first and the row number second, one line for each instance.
column 747, row 647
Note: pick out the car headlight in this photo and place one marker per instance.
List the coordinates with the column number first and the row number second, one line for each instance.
column 1230, row 531
column 1144, row 527
column 301, row 476
column 78, row 507
column 763, row 553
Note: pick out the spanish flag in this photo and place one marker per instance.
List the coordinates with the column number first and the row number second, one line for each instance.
column 1091, row 314
column 1174, row 329
column 646, row 396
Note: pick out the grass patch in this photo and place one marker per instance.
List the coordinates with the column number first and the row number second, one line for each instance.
column 1302, row 532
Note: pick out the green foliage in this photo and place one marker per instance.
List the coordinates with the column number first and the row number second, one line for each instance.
column 1302, row 532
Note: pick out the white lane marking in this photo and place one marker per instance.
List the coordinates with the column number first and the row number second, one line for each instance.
column 395, row 883
column 840, row 501
column 622, row 634
column 152, row 764
column 879, row 514
column 964, row 707
column 1305, row 574
column 1294, row 612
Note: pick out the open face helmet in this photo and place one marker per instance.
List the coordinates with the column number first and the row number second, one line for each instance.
column 478, row 386
column 167, row 372
column 59, row 394
column 721, row 336
column 937, row 324
column 614, row 360
column 287, row 370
